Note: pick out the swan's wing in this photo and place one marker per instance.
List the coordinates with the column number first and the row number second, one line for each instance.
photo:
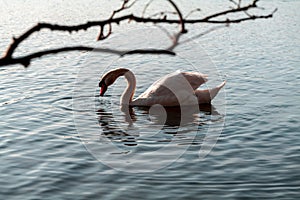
column 181, row 98
column 195, row 78
column 172, row 89
column 175, row 83
column 206, row 96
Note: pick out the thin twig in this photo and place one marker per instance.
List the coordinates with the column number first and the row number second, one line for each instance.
column 192, row 11
column 181, row 21
column 124, row 6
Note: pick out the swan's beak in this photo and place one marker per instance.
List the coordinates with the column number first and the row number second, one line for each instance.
column 103, row 88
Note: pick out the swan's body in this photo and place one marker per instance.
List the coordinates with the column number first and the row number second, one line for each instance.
column 179, row 88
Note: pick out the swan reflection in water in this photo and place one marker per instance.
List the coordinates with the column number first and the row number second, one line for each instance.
column 124, row 126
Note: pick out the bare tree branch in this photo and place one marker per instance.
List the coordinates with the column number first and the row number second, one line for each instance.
column 8, row 58
column 25, row 60
column 124, row 6
column 181, row 20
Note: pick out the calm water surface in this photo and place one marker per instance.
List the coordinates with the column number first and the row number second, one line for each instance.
column 50, row 147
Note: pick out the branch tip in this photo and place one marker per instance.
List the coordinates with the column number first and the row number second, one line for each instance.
column 25, row 63
column 184, row 31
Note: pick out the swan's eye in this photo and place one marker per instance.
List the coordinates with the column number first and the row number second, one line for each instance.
column 102, row 83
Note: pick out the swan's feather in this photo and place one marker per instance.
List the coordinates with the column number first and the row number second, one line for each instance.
column 174, row 89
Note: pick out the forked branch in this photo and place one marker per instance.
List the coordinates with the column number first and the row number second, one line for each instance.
column 216, row 18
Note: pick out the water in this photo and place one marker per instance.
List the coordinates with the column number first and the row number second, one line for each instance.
column 44, row 155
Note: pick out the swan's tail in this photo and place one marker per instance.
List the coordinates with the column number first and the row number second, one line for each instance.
column 206, row 96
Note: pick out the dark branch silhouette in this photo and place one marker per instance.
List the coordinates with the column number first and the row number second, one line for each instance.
column 8, row 58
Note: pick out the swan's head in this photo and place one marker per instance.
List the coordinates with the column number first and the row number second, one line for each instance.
column 109, row 78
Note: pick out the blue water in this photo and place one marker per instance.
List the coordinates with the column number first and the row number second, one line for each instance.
column 49, row 144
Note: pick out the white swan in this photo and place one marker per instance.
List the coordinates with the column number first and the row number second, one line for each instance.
column 179, row 88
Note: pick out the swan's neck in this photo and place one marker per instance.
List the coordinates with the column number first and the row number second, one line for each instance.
column 127, row 95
